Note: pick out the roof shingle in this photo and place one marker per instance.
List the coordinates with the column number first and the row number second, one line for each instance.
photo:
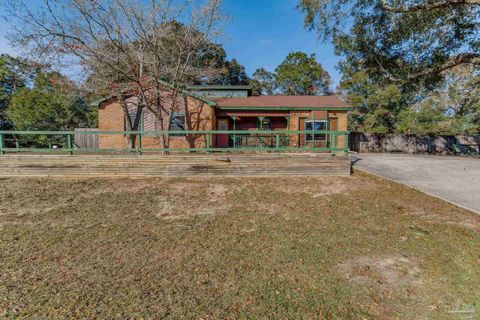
column 283, row 101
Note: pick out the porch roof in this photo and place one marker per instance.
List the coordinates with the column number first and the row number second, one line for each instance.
column 252, row 113
column 282, row 103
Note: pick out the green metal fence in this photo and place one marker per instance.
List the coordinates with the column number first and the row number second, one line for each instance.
column 198, row 141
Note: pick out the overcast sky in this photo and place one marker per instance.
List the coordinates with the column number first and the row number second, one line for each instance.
column 260, row 33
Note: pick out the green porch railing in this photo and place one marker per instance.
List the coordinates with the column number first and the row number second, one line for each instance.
column 195, row 140
column 2, row 141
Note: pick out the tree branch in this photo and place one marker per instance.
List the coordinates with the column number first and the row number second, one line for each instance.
column 430, row 6
column 460, row 59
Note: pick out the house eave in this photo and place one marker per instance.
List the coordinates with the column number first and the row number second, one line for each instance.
column 220, row 87
column 98, row 102
column 283, row 108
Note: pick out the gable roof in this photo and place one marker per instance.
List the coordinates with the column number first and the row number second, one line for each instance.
column 259, row 102
column 283, row 102
column 211, row 103
column 220, row 87
column 188, row 93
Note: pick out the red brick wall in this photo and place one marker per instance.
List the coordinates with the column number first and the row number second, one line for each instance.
column 342, row 124
column 111, row 118
column 297, row 120
column 199, row 116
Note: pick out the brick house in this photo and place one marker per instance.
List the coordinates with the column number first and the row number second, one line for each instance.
column 223, row 108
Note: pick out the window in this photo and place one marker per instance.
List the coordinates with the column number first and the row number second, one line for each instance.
column 178, row 122
column 316, row 125
column 264, row 123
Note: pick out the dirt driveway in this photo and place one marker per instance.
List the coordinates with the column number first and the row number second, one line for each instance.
column 454, row 179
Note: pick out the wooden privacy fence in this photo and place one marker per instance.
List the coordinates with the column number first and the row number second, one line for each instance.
column 413, row 144
column 85, row 140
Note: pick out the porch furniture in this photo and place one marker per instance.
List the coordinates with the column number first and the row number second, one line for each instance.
column 257, row 140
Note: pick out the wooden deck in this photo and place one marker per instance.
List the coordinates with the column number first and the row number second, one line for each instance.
column 81, row 166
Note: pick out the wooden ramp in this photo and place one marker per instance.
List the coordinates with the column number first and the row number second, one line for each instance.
column 78, row 166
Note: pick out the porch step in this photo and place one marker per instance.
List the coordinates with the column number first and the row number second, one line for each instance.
column 156, row 166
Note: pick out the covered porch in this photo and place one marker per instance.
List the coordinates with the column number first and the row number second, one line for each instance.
column 255, row 129
column 275, row 129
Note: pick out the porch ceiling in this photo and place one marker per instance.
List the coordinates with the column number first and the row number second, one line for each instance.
column 259, row 113
column 281, row 102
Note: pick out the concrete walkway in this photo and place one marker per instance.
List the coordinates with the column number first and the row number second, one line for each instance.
column 454, row 179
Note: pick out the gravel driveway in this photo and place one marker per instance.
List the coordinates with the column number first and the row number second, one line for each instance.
column 454, row 179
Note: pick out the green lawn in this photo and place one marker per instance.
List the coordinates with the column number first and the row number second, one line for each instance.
column 221, row 248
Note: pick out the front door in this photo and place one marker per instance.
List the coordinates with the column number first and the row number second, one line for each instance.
column 222, row 139
column 334, row 127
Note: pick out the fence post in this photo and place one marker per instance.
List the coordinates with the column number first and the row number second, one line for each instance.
column 2, row 143
column 347, row 144
column 208, row 141
column 332, row 144
column 139, row 143
column 277, row 142
column 234, row 132
column 69, row 144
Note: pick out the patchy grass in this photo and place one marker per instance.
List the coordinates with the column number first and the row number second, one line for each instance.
column 253, row 248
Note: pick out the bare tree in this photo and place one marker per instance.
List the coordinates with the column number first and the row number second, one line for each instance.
column 126, row 47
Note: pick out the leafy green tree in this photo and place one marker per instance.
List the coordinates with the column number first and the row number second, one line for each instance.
column 425, row 117
column 263, row 82
column 412, row 41
column 300, row 74
column 452, row 108
column 461, row 92
column 412, row 46
column 233, row 73
column 52, row 104
column 377, row 106
column 213, row 58
column 14, row 74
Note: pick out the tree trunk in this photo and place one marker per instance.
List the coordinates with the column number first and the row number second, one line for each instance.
column 131, row 125
column 166, row 134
